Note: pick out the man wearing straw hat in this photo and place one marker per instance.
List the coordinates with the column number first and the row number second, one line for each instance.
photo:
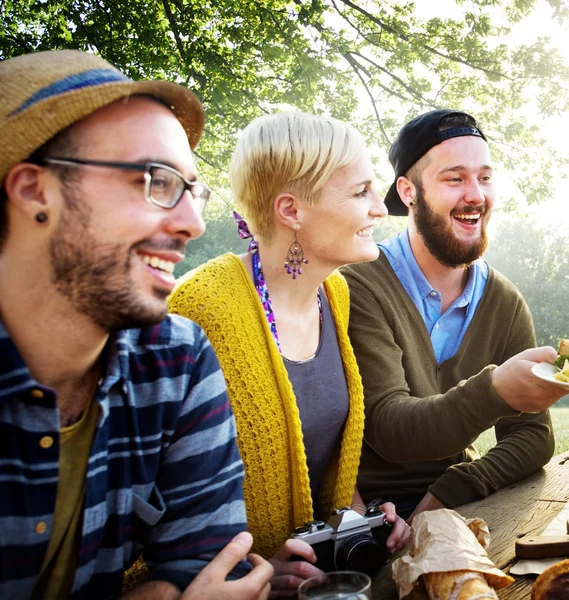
column 116, row 435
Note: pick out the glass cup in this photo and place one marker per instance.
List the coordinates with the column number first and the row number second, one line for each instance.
column 347, row 585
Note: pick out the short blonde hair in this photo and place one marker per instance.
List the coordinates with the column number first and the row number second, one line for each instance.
column 287, row 152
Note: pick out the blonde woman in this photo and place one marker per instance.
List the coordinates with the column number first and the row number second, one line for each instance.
column 277, row 318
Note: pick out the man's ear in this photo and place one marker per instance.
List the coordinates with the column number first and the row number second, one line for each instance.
column 406, row 190
column 24, row 186
column 286, row 207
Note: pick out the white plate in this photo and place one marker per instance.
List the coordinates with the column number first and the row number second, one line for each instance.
column 546, row 371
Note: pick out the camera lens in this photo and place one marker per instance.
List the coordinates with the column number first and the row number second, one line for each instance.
column 361, row 553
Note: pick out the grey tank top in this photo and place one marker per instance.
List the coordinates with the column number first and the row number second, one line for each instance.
column 321, row 391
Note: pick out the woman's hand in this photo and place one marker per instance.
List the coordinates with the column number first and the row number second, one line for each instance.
column 400, row 531
column 290, row 574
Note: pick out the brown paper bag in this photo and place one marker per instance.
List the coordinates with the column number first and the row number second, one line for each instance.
column 449, row 554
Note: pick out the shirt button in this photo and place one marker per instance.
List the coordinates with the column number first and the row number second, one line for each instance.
column 437, row 326
column 433, row 294
column 36, row 393
column 46, row 442
column 41, row 527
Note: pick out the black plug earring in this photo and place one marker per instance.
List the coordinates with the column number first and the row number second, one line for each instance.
column 41, row 217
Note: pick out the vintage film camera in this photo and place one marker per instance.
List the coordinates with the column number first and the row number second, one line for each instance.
column 349, row 541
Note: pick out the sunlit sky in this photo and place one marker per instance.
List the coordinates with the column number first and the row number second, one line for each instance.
column 556, row 130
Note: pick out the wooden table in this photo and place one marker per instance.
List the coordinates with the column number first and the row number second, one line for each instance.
column 526, row 507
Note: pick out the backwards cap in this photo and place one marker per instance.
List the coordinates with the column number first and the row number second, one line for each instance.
column 414, row 140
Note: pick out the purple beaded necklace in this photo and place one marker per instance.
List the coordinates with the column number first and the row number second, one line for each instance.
column 262, row 290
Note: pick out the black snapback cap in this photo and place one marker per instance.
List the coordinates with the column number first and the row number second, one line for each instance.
column 414, row 140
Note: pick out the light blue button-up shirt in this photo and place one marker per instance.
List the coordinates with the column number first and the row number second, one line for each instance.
column 446, row 330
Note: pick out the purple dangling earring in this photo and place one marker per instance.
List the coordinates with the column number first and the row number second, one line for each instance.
column 295, row 258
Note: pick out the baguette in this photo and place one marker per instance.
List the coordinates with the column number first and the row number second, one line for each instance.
column 458, row 585
column 448, row 556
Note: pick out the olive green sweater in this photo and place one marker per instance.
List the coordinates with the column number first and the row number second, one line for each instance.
column 422, row 417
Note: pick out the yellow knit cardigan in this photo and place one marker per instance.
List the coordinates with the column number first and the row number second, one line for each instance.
column 221, row 297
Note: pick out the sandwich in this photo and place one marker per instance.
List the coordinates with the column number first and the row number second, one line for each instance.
column 562, row 362
column 562, row 354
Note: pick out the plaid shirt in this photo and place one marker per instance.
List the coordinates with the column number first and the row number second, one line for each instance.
column 164, row 474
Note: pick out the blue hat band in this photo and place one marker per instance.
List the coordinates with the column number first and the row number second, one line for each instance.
column 77, row 81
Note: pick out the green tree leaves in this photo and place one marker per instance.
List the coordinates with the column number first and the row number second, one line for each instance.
column 375, row 63
column 536, row 259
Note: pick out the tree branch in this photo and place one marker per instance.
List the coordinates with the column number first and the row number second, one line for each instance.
column 87, row 33
column 174, row 28
column 380, row 85
column 21, row 43
column 413, row 40
column 213, row 135
column 397, row 79
column 271, row 14
column 111, row 54
column 180, row 47
column 356, row 67
column 443, row 86
column 207, row 162
column 383, row 69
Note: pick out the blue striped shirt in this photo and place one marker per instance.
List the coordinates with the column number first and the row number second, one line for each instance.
column 164, row 474
column 445, row 329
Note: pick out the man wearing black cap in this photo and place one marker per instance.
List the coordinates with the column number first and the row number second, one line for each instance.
column 430, row 321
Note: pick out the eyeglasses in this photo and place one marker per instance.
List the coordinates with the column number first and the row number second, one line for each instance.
column 164, row 186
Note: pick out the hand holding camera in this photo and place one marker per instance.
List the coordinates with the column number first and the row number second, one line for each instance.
column 348, row 540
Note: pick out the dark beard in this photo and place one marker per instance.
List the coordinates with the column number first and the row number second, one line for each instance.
column 440, row 239
column 95, row 277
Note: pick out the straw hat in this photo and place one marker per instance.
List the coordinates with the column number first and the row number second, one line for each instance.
column 43, row 93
